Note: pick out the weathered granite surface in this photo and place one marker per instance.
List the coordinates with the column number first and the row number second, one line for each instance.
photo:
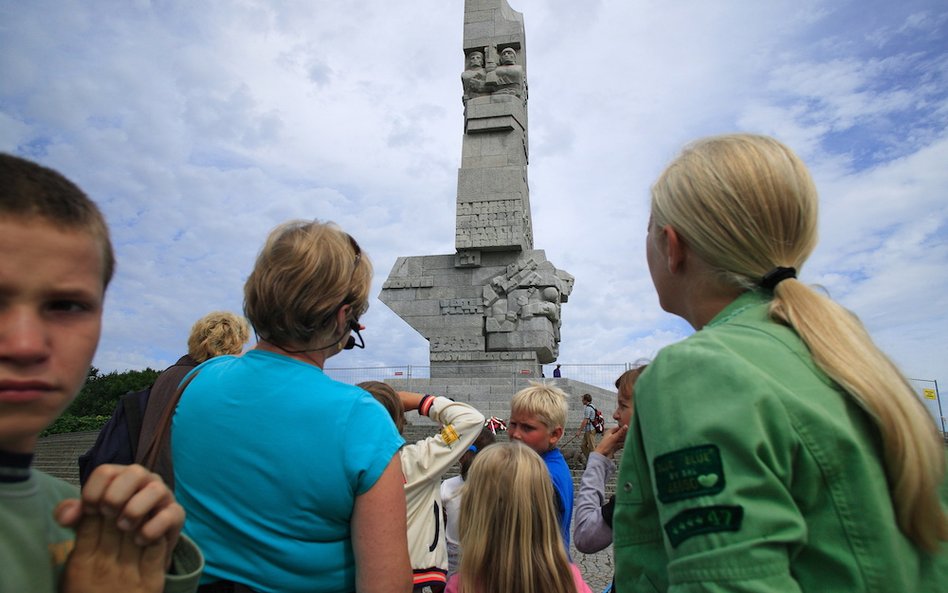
column 492, row 308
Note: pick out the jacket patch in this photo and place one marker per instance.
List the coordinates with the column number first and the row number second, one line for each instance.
column 687, row 473
column 691, row 522
column 449, row 434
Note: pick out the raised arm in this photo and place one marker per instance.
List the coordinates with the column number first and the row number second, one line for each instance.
column 461, row 425
column 591, row 533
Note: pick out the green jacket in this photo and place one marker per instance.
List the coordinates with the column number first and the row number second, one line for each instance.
column 747, row 469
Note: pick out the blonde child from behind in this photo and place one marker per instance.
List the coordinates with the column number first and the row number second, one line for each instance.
column 510, row 539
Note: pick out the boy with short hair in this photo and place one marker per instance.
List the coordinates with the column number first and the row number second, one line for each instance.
column 57, row 261
column 537, row 417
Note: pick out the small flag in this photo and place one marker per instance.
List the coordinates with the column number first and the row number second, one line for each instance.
column 494, row 424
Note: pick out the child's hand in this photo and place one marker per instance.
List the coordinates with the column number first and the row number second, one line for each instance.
column 410, row 400
column 612, row 441
column 136, row 501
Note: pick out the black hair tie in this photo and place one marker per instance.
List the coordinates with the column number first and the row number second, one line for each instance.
column 774, row 277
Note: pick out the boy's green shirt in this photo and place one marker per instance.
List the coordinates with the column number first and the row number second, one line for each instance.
column 34, row 548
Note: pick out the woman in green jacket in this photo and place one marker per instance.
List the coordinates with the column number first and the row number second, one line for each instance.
column 776, row 449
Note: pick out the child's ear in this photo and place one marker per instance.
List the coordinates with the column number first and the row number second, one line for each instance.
column 555, row 435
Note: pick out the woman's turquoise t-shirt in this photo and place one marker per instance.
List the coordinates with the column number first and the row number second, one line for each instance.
column 269, row 456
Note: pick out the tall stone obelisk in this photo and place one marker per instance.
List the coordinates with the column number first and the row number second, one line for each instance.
column 492, row 308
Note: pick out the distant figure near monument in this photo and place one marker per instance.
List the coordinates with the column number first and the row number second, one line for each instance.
column 493, row 308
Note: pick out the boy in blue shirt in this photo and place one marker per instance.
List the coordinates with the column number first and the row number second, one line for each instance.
column 537, row 416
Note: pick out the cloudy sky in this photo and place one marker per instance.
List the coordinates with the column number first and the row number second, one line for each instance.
column 198, row 126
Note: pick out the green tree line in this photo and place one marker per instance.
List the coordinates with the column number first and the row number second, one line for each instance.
column 98, row 398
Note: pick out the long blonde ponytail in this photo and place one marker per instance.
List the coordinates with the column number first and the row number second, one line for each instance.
column 913, row 454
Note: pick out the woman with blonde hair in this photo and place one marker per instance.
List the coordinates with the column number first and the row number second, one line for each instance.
column 291, row 480
column 215, row 334
column 510, row 535
column 777, row 448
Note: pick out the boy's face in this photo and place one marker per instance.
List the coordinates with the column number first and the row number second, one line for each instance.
column 623, row 413
column 51, row 296
column 530, row 430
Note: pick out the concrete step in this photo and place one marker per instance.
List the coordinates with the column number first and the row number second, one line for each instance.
column 58, row 455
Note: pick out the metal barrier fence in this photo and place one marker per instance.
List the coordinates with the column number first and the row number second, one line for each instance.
column 600, row 375
column 927, row 391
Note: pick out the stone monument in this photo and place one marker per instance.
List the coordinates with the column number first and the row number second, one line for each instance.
column 492, row 308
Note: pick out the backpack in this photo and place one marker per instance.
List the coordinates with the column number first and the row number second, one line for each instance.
column 118, row 440
column 599, row 423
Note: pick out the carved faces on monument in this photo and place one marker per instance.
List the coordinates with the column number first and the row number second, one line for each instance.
column 508, row 56
column 472, row 79
column 475, row 60
column 507, row 78
column 480, row 78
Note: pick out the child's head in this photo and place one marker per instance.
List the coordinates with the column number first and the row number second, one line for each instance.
column 388, row 397
column 537, row 416
column 509, row 498
column 217, row 333
column 32, row 193
column 743, row 204
column 485, row 439
column 625, row 394
column 56, row 263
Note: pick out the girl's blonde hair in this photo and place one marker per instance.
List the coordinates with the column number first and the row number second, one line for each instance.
column 746, row 204
column 510, row 534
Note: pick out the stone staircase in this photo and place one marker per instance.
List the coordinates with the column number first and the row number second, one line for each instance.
column 57, row 455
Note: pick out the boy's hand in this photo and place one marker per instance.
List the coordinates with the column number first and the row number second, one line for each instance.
column 130, row 499
column 612, row 441
column 107, row 559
